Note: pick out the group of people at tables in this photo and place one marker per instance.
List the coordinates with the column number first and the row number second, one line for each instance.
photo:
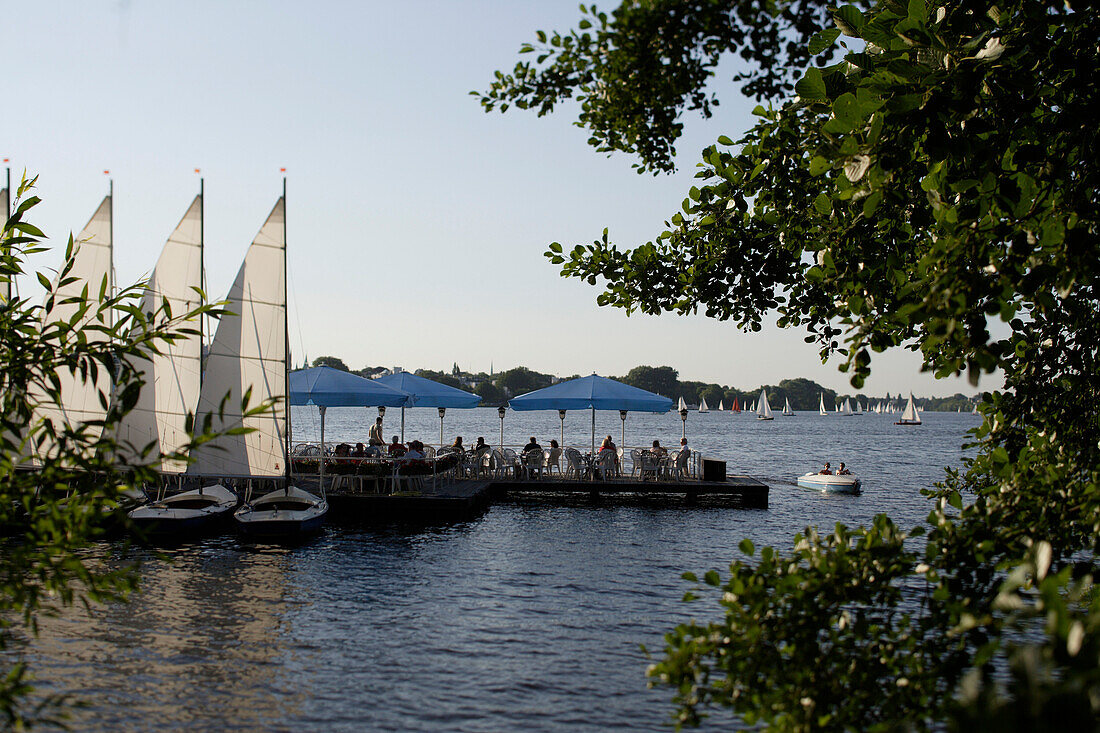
column 376, row 447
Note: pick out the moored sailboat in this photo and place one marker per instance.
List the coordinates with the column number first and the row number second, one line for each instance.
column 171, row 391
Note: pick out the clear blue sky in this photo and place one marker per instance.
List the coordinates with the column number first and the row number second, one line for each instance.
column 416, row 222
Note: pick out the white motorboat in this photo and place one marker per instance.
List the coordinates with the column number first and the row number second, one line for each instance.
column 830, row 483
column 282, row 512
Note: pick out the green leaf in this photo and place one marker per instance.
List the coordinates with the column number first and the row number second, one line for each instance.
column 811, row 87
column 849, row 20
column 819, row 165
column 822, row 40
column 747, row 547
column 823, row 204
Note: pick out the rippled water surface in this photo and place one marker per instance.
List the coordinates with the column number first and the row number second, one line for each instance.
column 529, row 617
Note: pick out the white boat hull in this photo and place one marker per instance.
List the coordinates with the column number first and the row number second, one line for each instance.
column 830, row 484
column 187, row 512
column 284, row 512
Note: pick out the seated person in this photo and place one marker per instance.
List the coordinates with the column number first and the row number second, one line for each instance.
column 360, row 451
column 658, row 450
column 607, row 444
column 684, row 445
column 825, row 471
column 842, row 471
column 457, row 446
column 397, row 448
column 342, row 450
column 555, row 451
column 416, row 450
column 481, row 446
column 532, row 445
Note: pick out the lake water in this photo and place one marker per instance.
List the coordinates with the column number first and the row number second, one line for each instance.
column 529, row 617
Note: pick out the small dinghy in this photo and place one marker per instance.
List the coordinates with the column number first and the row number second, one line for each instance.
column 188, row 512
column 830, row 484
column 286, row 512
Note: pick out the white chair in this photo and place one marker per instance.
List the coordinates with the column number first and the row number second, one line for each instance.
column 680, row 467
column 577, row 470
column 552, row 461
column 650, row 465
column 533, row 461
column 512, row 459
column 636, row 461
column 608, row 464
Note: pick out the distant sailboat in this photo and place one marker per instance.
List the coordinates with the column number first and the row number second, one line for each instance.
column 703, row 405
column 821, row 405
column 721, row 406
column 787, row 407
column 846, row 409
column 763, row 409
column 736, row 405
column 681, row 405
column 910, row 416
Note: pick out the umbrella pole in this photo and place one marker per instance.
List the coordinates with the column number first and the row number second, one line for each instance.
column 593, row 429
column 322, row 469
column 402, row 424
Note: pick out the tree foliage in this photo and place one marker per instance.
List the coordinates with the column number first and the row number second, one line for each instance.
column 61, row 483
column 331, row 361
column 938, row 177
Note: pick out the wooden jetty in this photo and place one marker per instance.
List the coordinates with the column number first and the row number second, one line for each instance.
column 466, row 498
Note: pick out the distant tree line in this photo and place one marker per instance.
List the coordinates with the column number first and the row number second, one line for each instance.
column 804, row 394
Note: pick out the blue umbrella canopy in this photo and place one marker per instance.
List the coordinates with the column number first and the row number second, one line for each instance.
column 594, row 392
column 327, row 387
column 426, row 393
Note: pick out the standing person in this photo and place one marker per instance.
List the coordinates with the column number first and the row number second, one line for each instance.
column 375, row 436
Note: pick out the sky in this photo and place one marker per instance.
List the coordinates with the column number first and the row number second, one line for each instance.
column 416, row 222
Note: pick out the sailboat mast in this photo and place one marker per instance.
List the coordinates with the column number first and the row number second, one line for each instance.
column 286, row 357
column 202, row 271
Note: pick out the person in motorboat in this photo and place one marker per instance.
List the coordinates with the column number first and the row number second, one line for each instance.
column 397, row 448
column 842, row 471
column 532, row 445
column 375, row 435
column 658, row 450
column 825, row 471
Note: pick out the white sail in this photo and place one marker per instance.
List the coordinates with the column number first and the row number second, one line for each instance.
column 787, row 406
column 721, row 405
column 172, row 378
column 703, row 405
column 846, row 409
column 763, row 409
column 682, row 405
column 81, row 400
column 910, row 415
column 249, row 352
column 821, row 405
